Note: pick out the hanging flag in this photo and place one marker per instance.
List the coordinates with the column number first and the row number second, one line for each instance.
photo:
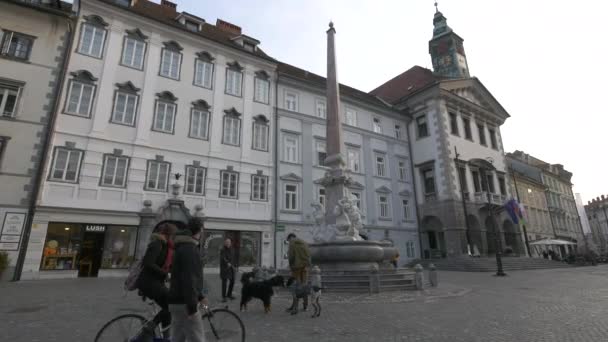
column 523, row 215
column 512, row 210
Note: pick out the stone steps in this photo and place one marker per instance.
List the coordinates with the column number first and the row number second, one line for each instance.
column 359, row 281
column 468, row 264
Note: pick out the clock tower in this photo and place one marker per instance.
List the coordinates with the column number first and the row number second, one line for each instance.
column 447, row 50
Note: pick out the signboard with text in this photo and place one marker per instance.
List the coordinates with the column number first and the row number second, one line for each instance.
column 12, row 229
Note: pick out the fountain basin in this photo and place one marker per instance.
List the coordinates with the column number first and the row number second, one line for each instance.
column 351, row 255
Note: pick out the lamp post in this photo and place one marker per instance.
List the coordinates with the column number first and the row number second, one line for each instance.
column 486, row 166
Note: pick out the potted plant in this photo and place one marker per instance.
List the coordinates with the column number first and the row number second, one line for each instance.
column 4, row 260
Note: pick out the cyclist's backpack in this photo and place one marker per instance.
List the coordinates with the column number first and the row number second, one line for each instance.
column 134, row 272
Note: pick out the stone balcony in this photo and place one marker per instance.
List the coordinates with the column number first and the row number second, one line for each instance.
column 482, row 197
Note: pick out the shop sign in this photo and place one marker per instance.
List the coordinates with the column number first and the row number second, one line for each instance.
column 9, row 246
column 95, row 228
column 13, row 224
column 280, row 228
column 10, row 238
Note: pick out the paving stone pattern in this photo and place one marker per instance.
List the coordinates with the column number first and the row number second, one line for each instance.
column 541, row 305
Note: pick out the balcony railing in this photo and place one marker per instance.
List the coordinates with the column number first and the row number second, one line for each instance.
column 482, row 197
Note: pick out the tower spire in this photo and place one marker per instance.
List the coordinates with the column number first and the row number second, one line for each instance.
column 436, row 7
column 446, row 49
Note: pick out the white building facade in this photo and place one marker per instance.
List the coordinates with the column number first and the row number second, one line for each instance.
column 152, row 94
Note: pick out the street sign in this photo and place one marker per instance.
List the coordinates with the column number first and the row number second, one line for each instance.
column 280, row 228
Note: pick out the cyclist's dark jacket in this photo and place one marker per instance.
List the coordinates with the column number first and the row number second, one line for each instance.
column 186, row 273
column 153, row 261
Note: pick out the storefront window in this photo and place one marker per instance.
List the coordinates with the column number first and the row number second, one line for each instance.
column 249, row 249
column 62, row 246
column 246, row 245
column 213, row 242
column 119, row 247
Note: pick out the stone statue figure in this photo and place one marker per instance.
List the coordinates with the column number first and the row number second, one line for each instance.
column 321, row 232
column 342, row 221
column 354, row 216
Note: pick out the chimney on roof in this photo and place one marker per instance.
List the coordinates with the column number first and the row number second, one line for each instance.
column 168, row 4
column 228, row 27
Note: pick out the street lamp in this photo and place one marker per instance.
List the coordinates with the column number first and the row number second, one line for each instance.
column 485, row 165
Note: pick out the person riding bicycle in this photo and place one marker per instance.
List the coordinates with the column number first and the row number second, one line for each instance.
column 186, row 290
column 156, row 265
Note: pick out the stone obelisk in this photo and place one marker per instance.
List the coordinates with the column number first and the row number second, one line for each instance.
column 336, row 179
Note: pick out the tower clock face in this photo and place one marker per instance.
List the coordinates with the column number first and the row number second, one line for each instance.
column 445, row 60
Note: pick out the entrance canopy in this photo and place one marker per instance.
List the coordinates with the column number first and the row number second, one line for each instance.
column 551, row 242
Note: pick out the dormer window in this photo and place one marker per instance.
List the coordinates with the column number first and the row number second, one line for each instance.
column 249, row 47
column 192, row 25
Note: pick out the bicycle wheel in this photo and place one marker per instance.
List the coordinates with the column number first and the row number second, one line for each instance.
column 124, row 328
column 223, row 325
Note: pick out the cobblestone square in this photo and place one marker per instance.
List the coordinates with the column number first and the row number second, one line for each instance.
column 544, row 305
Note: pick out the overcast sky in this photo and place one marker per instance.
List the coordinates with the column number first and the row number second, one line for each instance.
column 543, row 60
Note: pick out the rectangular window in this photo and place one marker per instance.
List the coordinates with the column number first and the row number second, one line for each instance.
column 476, row 181
column 80, row 98
column 192, row 26
column 67, row 238
column 350, row 117
column 92, row 39
column 398, row 133
column 401, row 171
column 491, row 183
column 229, row 187
column 262, row 89
column 462, row 177
column 66, row 166
column 199, row 124
column 195, row 180
column 384, row 206
column 493, row 138
column 321, row 196
column 428, row 176
column 157, row 176
column 290, row 153
column 164, row 117
column 259, row 188
column 260, row 136
column 423, row 130
column 321, row 153
column 125, row 107
column 203, row 74
column 467, row 128
column 232, row 130
column 380, row 165
column 291, row 197
column 377, row 126
column 114, row 171
column 410, row 249
column 406, row 209
column 8, row 99
column 354, row 159
column 291, row 102
column 321, row 109
column 482, row 134
column 119, row 247
column 16, row 45
column 133, row 53
column 356, row 198
column 502, row 186
column 234, row 79
column 170, row 64
column 453, row 123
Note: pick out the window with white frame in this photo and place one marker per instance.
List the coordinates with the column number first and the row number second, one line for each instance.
column 195, row 180
column 164, row 116
column 466, row 123
column 290, row 148
column 321, row 109
column 422, row 127
column 199, row 123
column 380, row 165
column 203, row 71
column 134, row 50
column 384, row 206
column 9, row 95
column 259, row 188
column 377, row 126
column 171, row 60
column 481, row 130
column 428, row 178
column 15, row 45
column 353, row 159
column 401, row 171
column 81, row 90
column 260, row 133
column 493, row 141
column 321, row 153
column 3, row 142
column 115, row 170
column 261, row 87
column 232, row 128
column 229, row 184
column 321, row 196
column 66, row 165
column 453, row 123
column 291, row 102
column 234, row 79
column 405, row 205
column 410, row 250
column 291, row 197
column 356, row 198
column 92, row 37
column 350, row 117
column 125, row 104
column 398, row 132
column 157, row 176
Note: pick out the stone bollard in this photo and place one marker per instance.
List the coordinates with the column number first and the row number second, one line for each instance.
column 419, row 277
column 433, row 275
column 374, row 279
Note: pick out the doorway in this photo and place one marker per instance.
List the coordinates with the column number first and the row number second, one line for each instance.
column 91, row 254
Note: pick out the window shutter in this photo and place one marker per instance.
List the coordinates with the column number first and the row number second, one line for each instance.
column 6, row 43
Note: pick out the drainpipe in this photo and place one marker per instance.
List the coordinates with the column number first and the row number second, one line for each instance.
column 39, row 176
column 275, row 207
column 416, row 207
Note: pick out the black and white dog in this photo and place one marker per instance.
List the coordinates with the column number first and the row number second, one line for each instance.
column 303, row 291
column 259, row 289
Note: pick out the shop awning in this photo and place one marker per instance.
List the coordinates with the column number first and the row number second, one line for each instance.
column 551, row 242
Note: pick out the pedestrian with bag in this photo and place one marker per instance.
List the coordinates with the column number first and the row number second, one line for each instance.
column 299, row 262
column 186, row 291
column 227, row 270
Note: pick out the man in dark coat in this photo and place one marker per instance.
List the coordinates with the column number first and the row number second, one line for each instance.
column 227, row 269
column 186, row 289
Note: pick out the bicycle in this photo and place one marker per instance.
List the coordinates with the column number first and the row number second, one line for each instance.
column 221, row 324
